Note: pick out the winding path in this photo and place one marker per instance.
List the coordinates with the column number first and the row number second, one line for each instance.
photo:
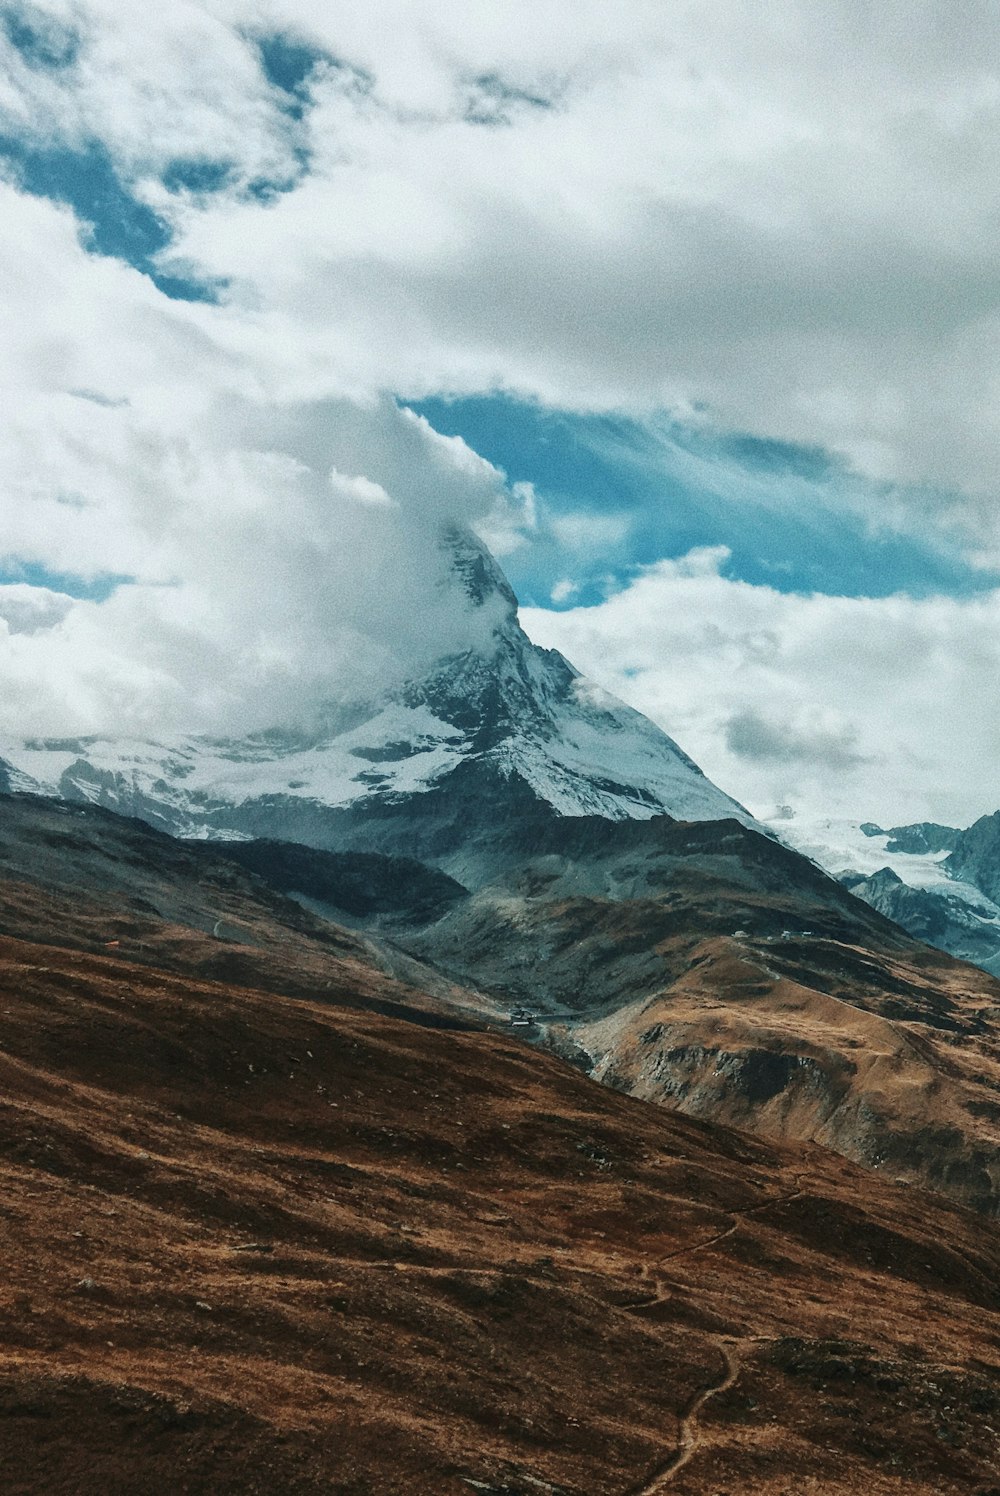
column 655, row 1483
column 688, row 1440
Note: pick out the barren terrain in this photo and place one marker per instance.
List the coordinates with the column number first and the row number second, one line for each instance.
column 352, row 1241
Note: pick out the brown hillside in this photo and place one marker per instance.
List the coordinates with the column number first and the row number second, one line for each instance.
column 263, row 1244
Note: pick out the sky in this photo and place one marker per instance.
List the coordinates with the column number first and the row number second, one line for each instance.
column 691, row 311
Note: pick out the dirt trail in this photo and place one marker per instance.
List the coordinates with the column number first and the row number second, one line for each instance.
column 688, row 1439
column 711, row 1241
column 269, row 1244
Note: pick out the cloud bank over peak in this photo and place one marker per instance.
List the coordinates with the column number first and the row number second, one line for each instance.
column 278, row 561
column 190, row 541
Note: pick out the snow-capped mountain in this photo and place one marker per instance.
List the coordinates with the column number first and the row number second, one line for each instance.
column 482, row 731
column 859, row 848
column 940, row 883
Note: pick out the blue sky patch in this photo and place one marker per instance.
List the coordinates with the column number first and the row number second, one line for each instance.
column 90, row 589
column 120, row 226
column 287, row 63
column 616, row 494
column 43, row 41
column 198, row 176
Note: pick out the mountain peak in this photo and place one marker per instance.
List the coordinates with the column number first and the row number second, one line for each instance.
column 477, row 571
column 483, row 733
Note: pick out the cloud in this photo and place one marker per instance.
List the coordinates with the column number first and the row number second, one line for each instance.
column 795, row 239
column 877, row 708
column 494, row 101
column 752, row 735
column 362, row 490
column 263, row 591
column 240, row 555
column 154, row 87
column 590, row 534
column 27, row 610
column 40, row 39
column 783, row 226
column 279, row 553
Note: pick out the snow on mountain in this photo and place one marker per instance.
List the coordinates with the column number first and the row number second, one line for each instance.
column 843, row 846
column 522, row 715
column 14, row 781
column 917, row 889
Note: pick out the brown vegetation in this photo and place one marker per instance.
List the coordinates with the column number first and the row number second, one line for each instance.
column 254, row 1243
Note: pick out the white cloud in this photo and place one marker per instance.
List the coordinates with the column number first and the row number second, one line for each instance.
column 260, row 588
column 26, row 609
column 787, row 219
column 782, row 221
column 884, row 709
column 361, row 490
column 589, row 534
column 153, row 84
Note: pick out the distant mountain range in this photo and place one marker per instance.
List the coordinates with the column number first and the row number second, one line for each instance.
column 941, row 883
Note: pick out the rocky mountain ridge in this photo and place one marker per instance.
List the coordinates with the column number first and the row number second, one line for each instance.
column 496, row 833
column 510, row 722
column 700, row 965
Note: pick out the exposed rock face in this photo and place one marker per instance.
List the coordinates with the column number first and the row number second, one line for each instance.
column 939, row 896
column 363, row 885
column 925, row 836
column 898, row 1071
column 941, row 916
column 976, row 856
column 922, row 836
